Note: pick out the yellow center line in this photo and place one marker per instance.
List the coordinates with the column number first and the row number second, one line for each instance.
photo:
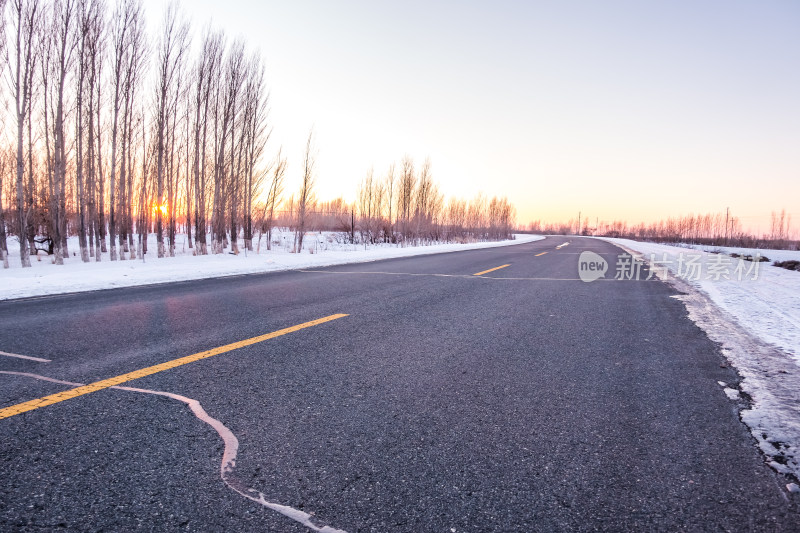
column 537, row 255
column 491, row 270
column 150, row 370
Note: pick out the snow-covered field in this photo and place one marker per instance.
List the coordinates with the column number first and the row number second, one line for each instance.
column 772, row 255
column 319, row 249
column 755, row 315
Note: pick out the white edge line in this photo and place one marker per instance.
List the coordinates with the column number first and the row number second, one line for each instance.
column 41, row 360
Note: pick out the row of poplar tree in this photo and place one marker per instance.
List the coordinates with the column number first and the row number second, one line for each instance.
column 114, row 132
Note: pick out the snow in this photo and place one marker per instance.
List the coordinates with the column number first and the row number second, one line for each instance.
column 732, row 394
column 756, row 320
column 772, row 255
column 322, row 249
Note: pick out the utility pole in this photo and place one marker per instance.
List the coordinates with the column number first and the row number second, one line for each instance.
column 579, row 222
column 727, row 210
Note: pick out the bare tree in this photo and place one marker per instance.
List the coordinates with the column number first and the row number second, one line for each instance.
column 273, row 198
column 31, row 196
column 780, row 224
column 224, row 115
column 187, row 146
column 306, row 196
column 476, row 216
column 137, row 51
column 234, row 79
column 172, row 153
column 173, row 45
column 407, row 185
column 97, row 49
column 94, row 49
column 366, row 205
column 25, row 16
column 389, row 187
column 63, row 44
column 145, row 187
column 205, row 71
column 89, row 28
column 255, row 135
column 124, row 19
column 424, row 197
column 456, row 218
column 3, row 237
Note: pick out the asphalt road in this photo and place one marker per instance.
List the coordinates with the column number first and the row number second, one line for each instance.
column 522, row 400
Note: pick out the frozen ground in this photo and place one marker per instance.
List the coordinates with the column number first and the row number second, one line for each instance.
column 755, row 315
column 318, row 250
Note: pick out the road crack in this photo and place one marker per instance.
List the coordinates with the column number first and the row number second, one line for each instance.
column 228, row 462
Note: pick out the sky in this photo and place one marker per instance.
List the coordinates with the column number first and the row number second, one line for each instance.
column 632, row 110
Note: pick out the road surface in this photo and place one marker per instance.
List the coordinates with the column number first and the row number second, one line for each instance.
column 521, row 399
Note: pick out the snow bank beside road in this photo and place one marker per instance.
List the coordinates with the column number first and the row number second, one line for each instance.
column 757, row 322
column 44, row 278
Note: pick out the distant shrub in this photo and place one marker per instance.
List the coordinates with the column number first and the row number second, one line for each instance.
column 748, row 257
column 788, row 265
